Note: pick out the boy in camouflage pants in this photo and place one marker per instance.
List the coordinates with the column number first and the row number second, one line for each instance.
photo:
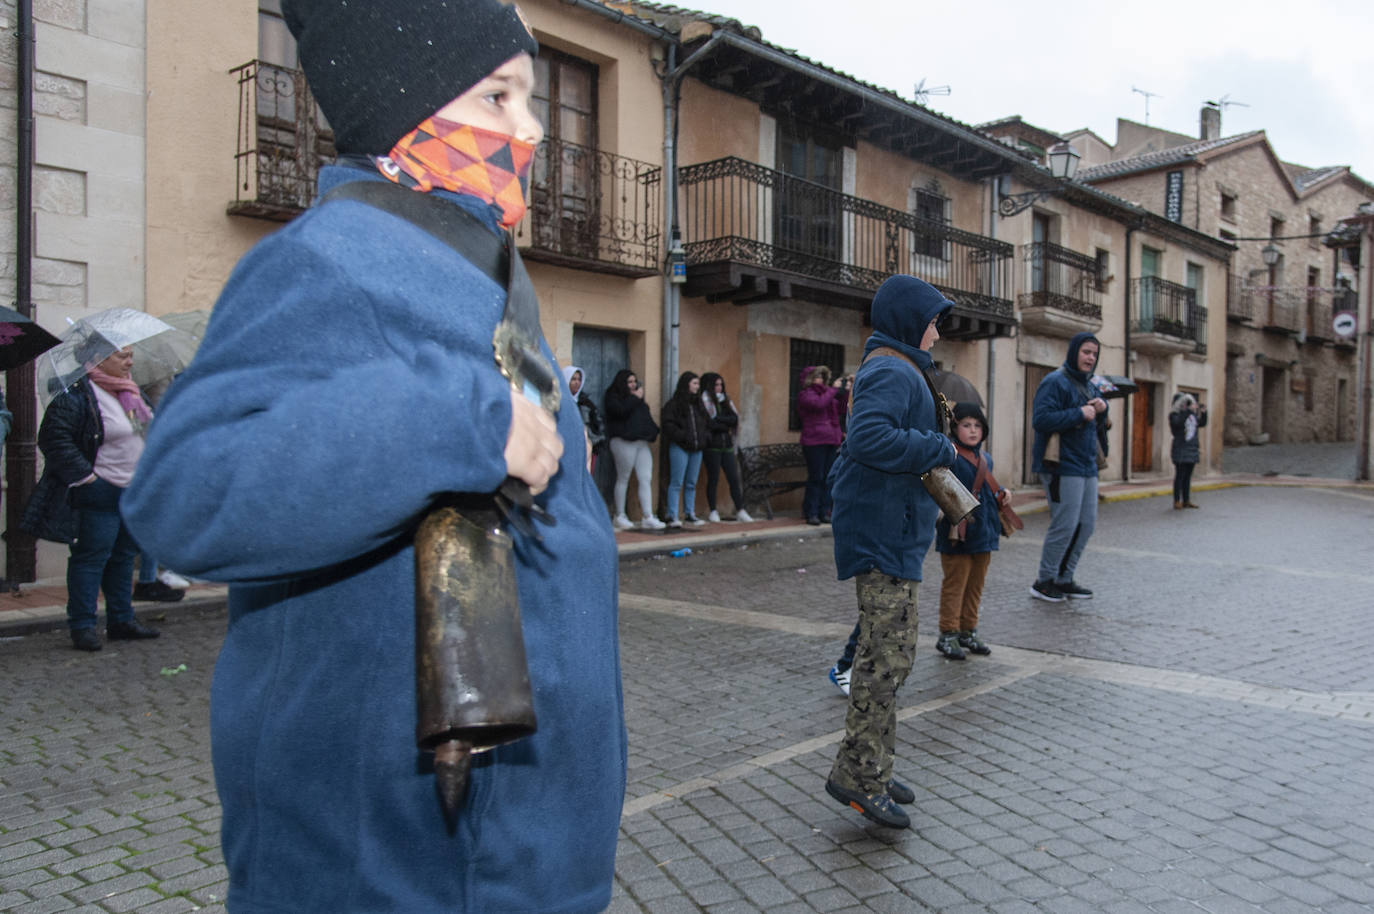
column 883, row 524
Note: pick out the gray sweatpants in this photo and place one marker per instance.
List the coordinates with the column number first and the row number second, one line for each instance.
column 1073, row 515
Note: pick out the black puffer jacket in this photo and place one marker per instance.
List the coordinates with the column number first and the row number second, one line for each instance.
column 720, row 427
column 71, row 433
column 627, row 415
column 684, row 417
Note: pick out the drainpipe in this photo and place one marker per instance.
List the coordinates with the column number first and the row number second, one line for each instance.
column 21, row 451
column 672, row 293
column 992, row 233
column 1126, row 413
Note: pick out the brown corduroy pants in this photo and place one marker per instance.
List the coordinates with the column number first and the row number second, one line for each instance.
column 962, row 590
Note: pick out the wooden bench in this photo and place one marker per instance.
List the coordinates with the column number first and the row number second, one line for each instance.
column 757, row 465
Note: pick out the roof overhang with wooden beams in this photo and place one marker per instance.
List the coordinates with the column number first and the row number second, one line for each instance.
column 784, row 84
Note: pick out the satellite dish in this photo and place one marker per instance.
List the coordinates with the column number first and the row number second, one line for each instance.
column 923, row 92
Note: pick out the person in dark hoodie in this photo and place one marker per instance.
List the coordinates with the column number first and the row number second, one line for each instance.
column 345, row 382
column 1070, row 422
column 685, row 425
column 883, row 522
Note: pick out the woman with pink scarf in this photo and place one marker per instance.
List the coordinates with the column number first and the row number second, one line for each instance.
column 91, row 439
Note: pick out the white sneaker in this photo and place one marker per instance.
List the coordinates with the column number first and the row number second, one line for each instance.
column 674, row 522
column 652, row 523
column 693, row 521
column 173, row 580
column 841, row 680
column 714, row 517
column 621, row 522
column 742, row 516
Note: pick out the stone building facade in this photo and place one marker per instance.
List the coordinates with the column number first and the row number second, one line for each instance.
column 1289, row 375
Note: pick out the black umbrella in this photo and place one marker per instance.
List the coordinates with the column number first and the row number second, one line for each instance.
column 956, row 388
column 21, row 340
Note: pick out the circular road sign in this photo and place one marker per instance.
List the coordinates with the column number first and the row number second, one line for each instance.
column 1344, row 324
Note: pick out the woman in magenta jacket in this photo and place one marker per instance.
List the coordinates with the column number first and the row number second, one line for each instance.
column 820, row 405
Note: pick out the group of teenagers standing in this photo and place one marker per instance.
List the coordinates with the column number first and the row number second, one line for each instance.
column 699, row 423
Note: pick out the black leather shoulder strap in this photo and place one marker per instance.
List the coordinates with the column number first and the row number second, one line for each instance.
column 451, row 224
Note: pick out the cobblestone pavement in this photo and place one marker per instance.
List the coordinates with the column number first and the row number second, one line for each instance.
column 1196, row 738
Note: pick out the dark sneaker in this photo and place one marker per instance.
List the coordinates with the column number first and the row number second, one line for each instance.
column 814, row 521
column 1074, row 592
column 130, row 631
column 948, row 645
column 970, row 642
column 1189, row 504
column 157, row 592
column 878, row 807
column 1047, row 590
column 900, row 793
column 86, row 639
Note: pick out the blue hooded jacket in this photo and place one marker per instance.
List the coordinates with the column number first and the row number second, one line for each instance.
column 1058, row 408
column 984, row 525
column 883, row 519
column 345, row 381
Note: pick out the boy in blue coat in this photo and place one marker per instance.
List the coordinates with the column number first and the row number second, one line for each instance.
column 966, row 548
column 883, row 523
column 345, row 383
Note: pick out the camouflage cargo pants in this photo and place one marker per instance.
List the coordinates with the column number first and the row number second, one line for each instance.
column 886, row 649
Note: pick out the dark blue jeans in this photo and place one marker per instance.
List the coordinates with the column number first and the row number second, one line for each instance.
column 102, row 558
column 819, row 457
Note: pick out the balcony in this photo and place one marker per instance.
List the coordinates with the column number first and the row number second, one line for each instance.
column 752, row 233
column 1166, row 318
column 1240, row 307
column 591, row 210
column 283, row 141
column 1065, row 296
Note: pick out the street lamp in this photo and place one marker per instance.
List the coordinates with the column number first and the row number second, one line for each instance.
column 1270, row 254
column 1063, row 165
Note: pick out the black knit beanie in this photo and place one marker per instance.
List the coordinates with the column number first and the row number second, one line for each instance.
column 966, row 409
column 380, row 67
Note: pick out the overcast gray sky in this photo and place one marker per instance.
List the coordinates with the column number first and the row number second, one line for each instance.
column 1305, row 71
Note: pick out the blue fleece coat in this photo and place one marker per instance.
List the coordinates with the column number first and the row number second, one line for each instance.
column 345, row 380
column 1058, row 407
column 883, row 519
column 984, row 526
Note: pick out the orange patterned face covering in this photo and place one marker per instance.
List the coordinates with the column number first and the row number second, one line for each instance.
column 466, row 160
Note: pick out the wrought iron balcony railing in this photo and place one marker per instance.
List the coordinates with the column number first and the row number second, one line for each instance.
column 1239, row 306
column 1057, row 277
column 1168, row 309
column 1306, row 310
column 593, row 210
column 737, row 212
column 283, row 140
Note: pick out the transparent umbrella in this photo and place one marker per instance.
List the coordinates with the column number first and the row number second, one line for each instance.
column 160, row 350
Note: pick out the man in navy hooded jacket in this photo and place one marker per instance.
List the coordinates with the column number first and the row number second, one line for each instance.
column 1067, row 407
column 883, row 524
column 346, row 382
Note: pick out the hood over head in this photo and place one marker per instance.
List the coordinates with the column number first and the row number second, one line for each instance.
column 568, row 372
column 903, row 308
column 379, row 69
column 1075, row 344
column 965, row 409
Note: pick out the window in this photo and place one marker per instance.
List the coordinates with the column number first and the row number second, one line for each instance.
column 1275, row 227
column 804, row 353
column 1228, row 206
column 808, row 217
column 1193, row 279
column 1103, row 273
column 564, row 193
column 1314, row 228
column 1225, row 235
column 931, row 209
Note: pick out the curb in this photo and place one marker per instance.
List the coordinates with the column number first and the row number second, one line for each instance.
column 42, row 619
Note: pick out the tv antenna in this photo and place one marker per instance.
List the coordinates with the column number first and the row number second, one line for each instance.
column 1225, row 102
column 922, row 92
column 1148, row 96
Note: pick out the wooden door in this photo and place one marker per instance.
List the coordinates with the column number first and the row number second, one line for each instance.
column 1143, row 428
